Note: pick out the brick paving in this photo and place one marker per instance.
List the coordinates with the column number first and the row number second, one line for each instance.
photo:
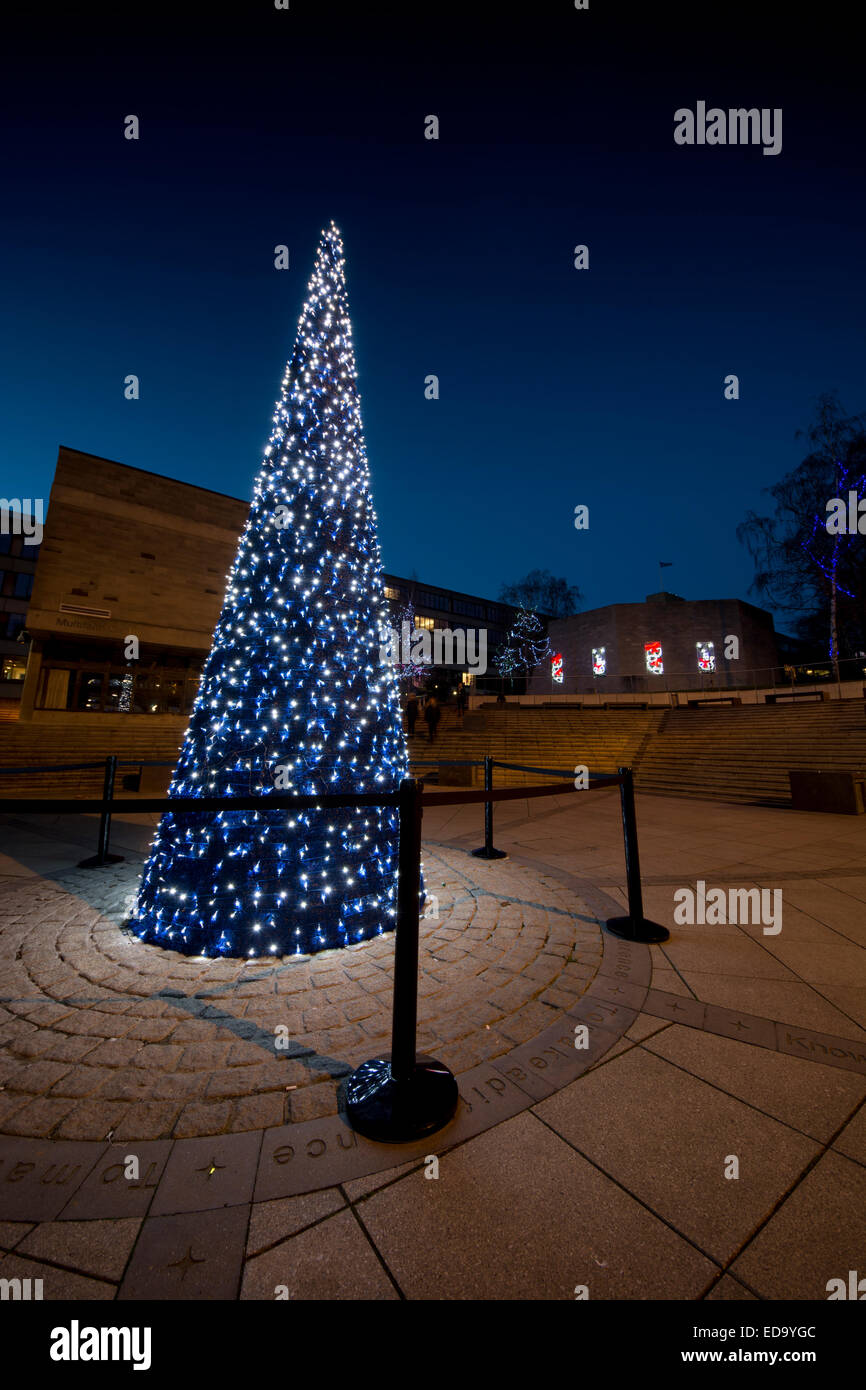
column 103, row 1036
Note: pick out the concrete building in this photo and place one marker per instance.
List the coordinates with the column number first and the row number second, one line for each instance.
column 667, row 642
column 130, row 553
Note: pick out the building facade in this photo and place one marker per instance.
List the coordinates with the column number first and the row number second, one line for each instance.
column 130, row 554
column 667, row 642
column 19, row 551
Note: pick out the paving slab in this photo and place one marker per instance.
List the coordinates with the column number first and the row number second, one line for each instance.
column 801, row 1095
column 673, row 1153
column 192, row 1255
column 202, row 1174
column 827, row 1048
column 817, row 1234
column 729, row 1290
column 97, row 1248
column 675, row 1008
column 333, row 1262
column 38, row 1176
column 272, row 1222
column 852, row 1140
column 111, row 1189
column 58, row 1285
column 553, row 1059
column 516, row 1214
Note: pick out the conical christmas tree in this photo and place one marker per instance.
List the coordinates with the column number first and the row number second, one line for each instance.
column 295, row 695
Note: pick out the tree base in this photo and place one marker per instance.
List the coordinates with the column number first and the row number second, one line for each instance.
column 94, row 862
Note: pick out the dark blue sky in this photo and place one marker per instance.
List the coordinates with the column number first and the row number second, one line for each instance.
column 558, row 387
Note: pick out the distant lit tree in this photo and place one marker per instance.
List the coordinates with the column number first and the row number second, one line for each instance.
column 526, row 645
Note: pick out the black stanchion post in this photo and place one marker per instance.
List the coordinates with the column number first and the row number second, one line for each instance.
column 634, row 927
column 405, row 1013
column 102, row 855
column 487, row 851
column 400, row 1097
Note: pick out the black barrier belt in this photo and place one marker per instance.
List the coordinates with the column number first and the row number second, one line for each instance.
column 81, row 767
column 448, row 762
column 547, row 771
column 145, row 762
column 89, row 805
column 508, row 793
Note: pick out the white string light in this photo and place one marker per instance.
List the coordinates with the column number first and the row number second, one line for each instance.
column 294, row 696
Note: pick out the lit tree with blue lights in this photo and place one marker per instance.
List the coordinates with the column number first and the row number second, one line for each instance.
column 294, row 695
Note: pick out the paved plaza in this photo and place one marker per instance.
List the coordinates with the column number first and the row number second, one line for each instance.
column 681, row 1121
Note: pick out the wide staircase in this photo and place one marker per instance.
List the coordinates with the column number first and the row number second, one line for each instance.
column 729, row 753
column 602, row 740
column 744, row 753
column 39, row 746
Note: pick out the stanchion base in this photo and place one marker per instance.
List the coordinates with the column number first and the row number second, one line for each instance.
column 643, row 930
column 485, row 853
column 96, row 863
column 394, row 1112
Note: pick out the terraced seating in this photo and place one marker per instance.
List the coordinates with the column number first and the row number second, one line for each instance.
column 37, row 745
column 744, row 754
column 730, row 753
column 535, row 737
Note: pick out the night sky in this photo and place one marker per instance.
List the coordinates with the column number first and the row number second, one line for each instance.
column 558, row 386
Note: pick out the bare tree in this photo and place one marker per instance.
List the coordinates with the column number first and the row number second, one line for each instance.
column 541, row 592
column 801, row 566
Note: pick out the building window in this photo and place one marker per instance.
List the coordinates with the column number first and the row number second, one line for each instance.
column 427, row 623
column 599, row 661
column 23, row 585
column 14, row 624
column 431, row 600
column 706, row 656
column 469, row 610
column 29, row 551
column 392, row 593
column 86, row 687
column 654, row 663
column 14, row 669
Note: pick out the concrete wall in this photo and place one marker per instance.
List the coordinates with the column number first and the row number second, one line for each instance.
column 152, row 553
column 623, row 629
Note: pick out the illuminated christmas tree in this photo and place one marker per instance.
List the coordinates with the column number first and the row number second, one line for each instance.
column 527, row 644
column 294, row 695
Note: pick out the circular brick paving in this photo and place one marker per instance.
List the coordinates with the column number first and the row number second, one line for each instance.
column 103, row 1037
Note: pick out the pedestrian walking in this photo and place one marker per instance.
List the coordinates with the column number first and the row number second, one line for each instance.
column 432, row 714
column 411, row 712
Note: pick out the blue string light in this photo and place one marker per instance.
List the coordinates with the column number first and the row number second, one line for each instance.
column 294, row 695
